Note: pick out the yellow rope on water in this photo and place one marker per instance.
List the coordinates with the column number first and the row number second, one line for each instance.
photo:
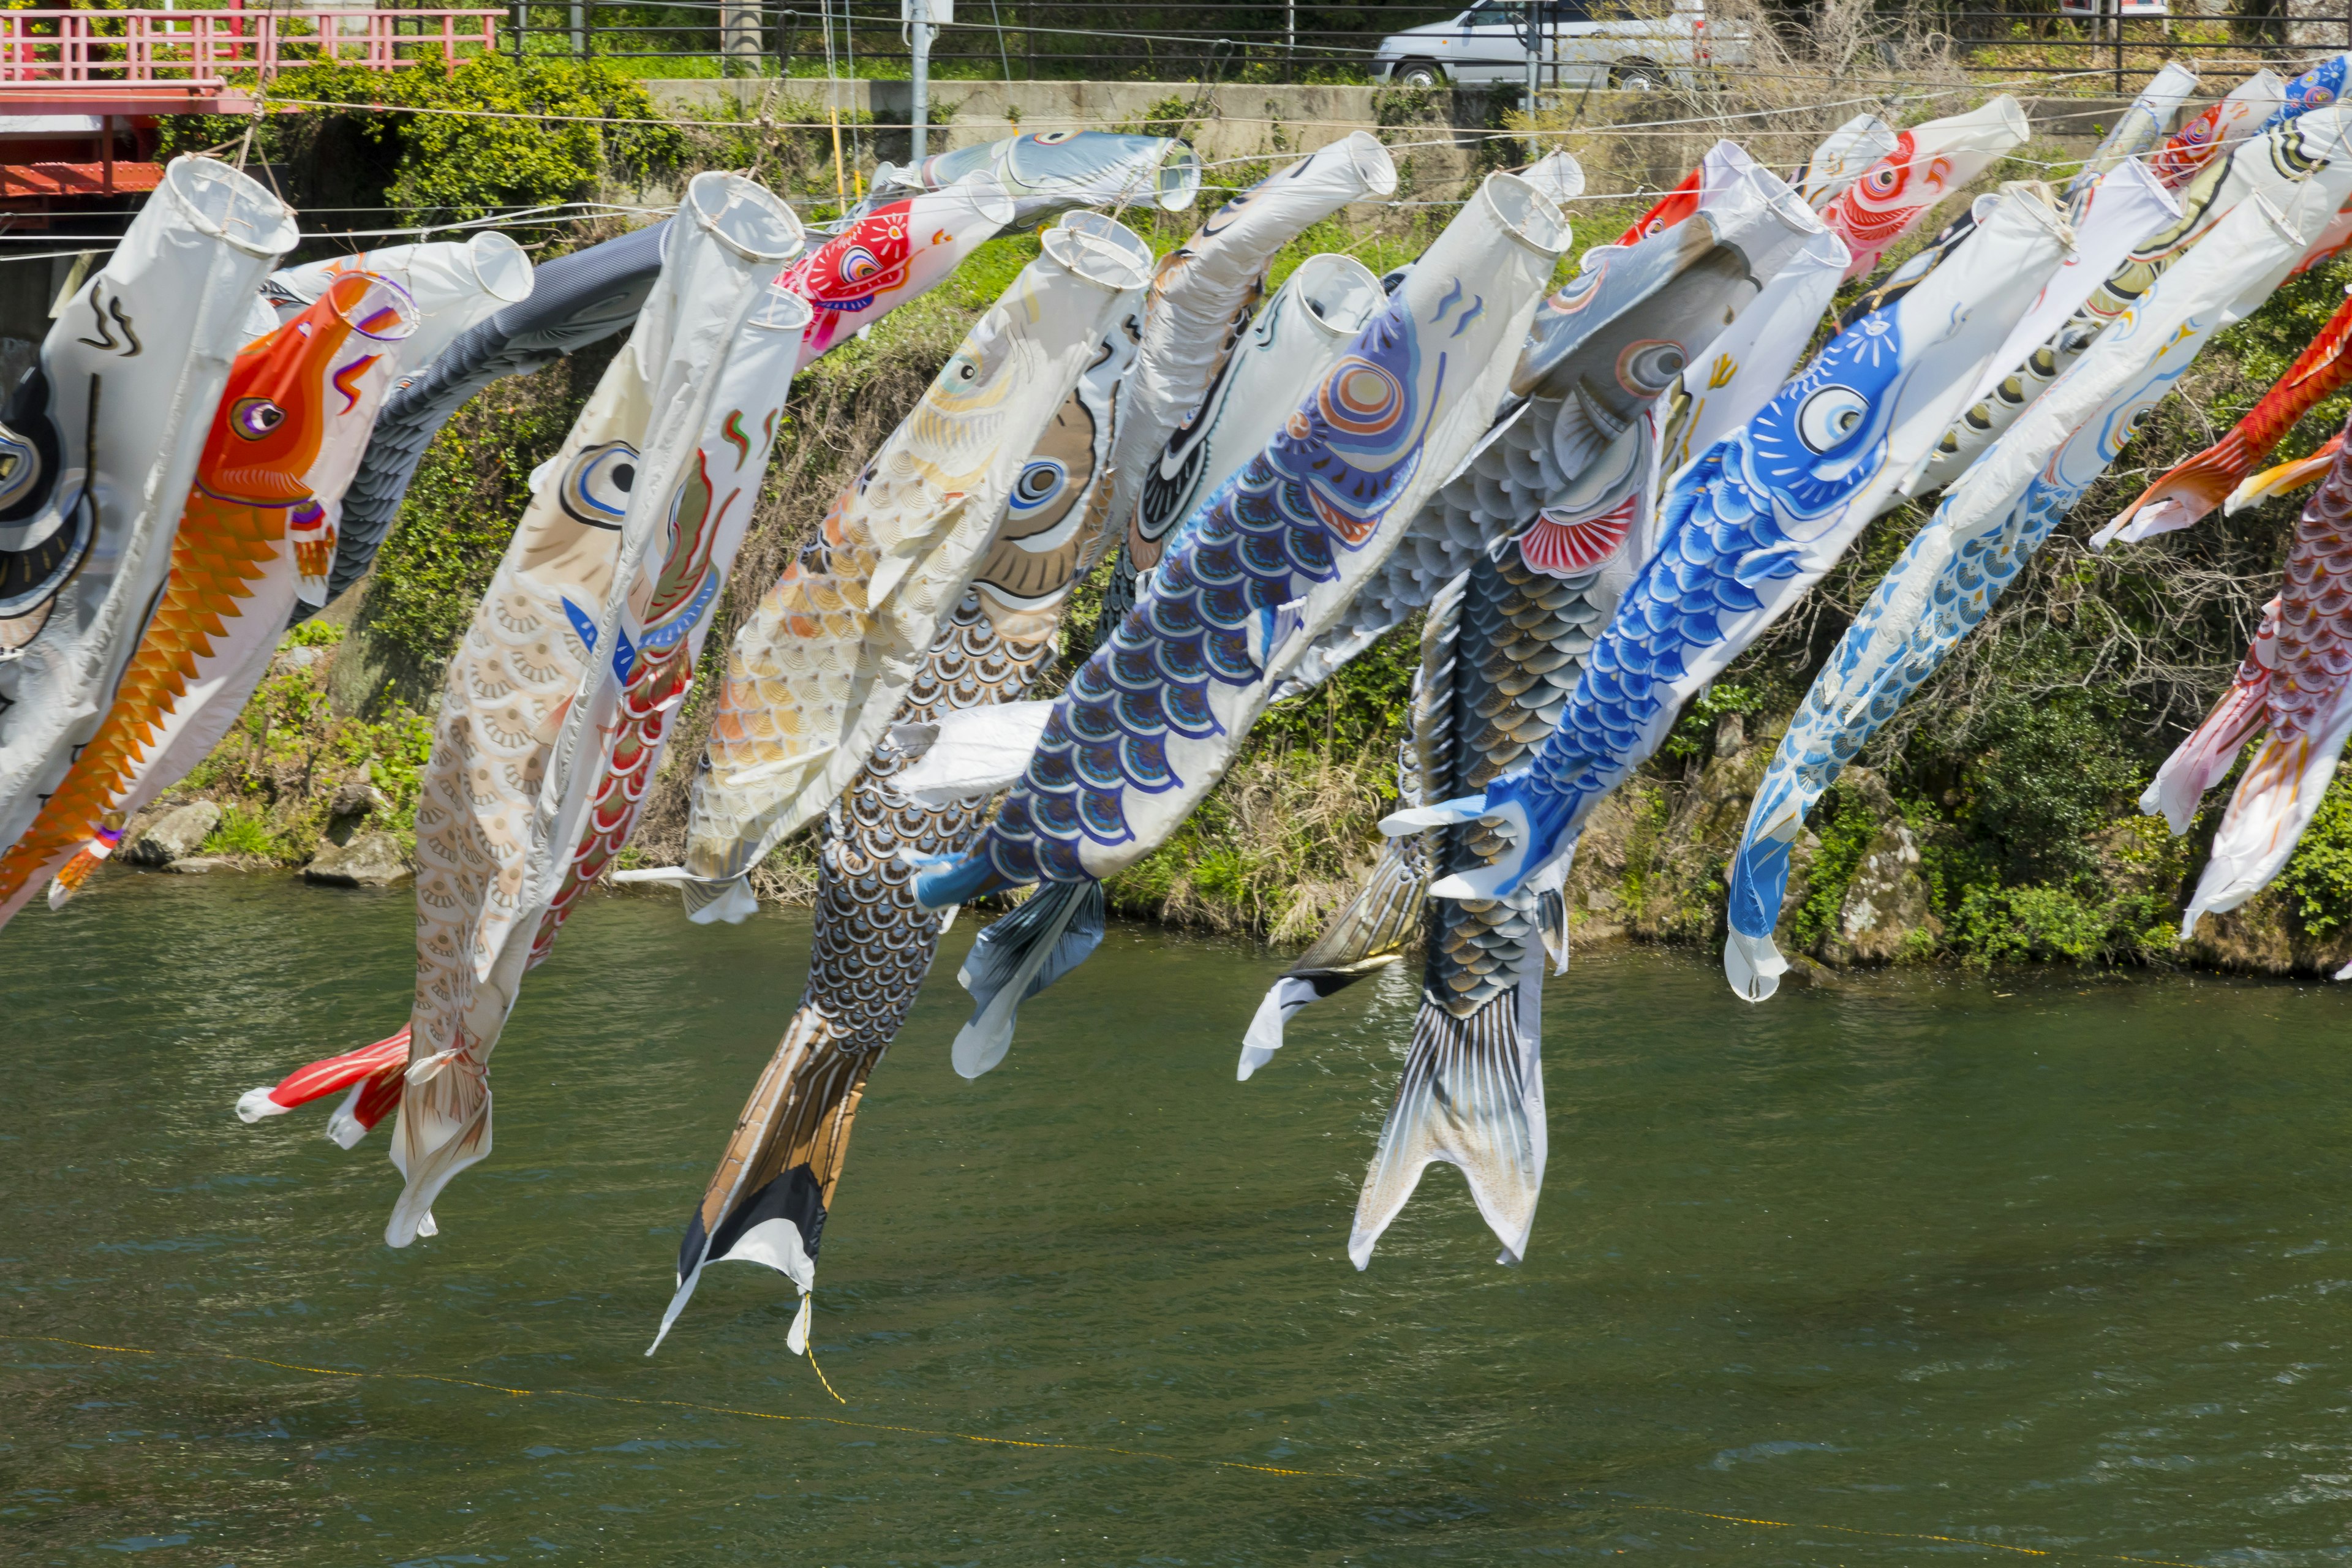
column 821, row 1377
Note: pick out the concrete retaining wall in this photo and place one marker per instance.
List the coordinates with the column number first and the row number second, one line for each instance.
column 1440, row 131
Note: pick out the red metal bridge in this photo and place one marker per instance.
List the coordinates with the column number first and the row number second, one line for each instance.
column 79, row 89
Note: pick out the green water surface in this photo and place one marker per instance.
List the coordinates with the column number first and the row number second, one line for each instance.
column 1926, row 1269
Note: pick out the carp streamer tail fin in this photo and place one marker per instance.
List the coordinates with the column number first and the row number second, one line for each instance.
column 2283, row 480
column 1017, row 957
column 766, row 1203
column 87, row 859
column 372, row 1075
column 2275, row 803
column 444, row 1126
column 1369, row 934
column 1472, row 1097
column 2185, row 496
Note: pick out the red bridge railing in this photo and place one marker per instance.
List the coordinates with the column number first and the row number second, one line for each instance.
column 197, row 48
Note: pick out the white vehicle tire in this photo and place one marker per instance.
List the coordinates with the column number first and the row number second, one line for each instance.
column 1637, row 74
column 1417, row 74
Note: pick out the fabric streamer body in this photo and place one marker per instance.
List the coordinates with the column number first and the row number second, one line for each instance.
column 815, row 674
column 287, row 429
column 1753, row 524
column 452, row 288
column 1049, row 171
column 533, row 683
column 1500, row 661
column 1987, row 529
column 2217, row 129
column 1840, row 159
column 767, row 1201
column 2137, row 129
column 1598, row 311
column 1152, row 719
column 98, row 452
column 2294, row 684
column 576, row 300
column 898, row 251
column 1929, row 162
column 2192, row 489
column 2266, row 166
column 667, row 613
column 1203, row 295
column 1573, row 512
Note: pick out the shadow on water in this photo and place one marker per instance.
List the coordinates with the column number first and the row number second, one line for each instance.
column 1924, row 1267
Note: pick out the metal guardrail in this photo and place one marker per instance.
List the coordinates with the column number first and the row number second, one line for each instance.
column 126, row 49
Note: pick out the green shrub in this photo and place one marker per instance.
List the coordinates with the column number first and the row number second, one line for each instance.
column 439, row 167
column 1845, row 827
column 2319, row 878
column 242, row 832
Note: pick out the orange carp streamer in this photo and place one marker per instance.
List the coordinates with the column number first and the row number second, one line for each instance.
column 250, row 485
column 2187, row 494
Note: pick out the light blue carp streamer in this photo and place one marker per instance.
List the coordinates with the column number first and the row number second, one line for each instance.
column 1846, row 706
column 2317, row 88
column 1989, row 527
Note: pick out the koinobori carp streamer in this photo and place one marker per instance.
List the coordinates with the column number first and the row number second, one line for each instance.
column 538, row 677
column 1151, row 721
column 285, row 437
column 98, row 452
column 1953, row 570
column 1753, row 524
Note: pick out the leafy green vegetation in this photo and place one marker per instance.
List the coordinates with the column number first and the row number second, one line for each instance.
column 442, row 167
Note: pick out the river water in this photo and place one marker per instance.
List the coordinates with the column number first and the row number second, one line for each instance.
column 1929, row 1268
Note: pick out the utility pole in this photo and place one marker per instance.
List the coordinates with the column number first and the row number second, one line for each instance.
column 916, row 14
column 1535, row 36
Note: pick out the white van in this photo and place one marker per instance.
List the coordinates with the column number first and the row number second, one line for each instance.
column 1488, row 43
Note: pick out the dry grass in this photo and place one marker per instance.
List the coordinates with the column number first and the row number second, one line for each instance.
column 1806, row 74
column 1283, row 842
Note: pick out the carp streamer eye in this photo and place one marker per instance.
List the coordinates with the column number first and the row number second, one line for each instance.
column 1829, row 416
column 1359, row 398
column 1039, row 483
column 856, row 265
column 20, row 467
column 254, row 417
column 597, row 488
column 1649, row 366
